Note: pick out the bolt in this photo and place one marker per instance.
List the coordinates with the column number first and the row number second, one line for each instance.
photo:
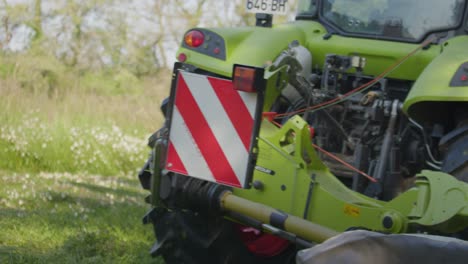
column 258, row 185
column 387, row 222
column 283, row 187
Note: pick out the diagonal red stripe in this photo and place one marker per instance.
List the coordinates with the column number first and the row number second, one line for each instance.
column 203, row 136
column 173, row 158
column 235, row 108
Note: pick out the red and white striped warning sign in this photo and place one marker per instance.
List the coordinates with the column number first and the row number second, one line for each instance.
column 211, row 130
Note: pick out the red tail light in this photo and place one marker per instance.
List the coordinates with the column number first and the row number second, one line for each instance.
column 244, row 79
column 182, row 57
column 194, row 38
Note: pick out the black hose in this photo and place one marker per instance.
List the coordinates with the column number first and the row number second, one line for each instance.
column 386, row 149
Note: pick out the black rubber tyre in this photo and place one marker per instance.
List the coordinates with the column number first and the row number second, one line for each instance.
column 455, row 146
column 192, row 238
column 462, row 173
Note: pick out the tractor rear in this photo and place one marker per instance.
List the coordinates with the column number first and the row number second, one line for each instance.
column 279, row 137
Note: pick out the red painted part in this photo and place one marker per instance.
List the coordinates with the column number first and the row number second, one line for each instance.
column 182, row 57
column 262, row 244
column 312, row 132
column 270, row 116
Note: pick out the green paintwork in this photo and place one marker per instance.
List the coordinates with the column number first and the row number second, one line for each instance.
column 447, row 199
column 433, row 85
column 276, row 81
column 431, row 69
column 243, row 46
column 257, row 47
column 437, row 200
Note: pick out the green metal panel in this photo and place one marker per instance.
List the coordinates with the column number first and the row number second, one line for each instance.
column 434, row 83
column 257, row 46
column 443, row 198
column 253, row 46
column 288, row 152
column 302, row 186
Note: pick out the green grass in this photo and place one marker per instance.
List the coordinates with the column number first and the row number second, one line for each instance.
column 96, row 130
column 71, row 143
column 72, row 218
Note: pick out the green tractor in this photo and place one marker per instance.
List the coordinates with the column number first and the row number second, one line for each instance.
column 279, row 137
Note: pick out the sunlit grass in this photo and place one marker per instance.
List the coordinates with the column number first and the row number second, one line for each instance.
column 33, row 145
column 78, row 131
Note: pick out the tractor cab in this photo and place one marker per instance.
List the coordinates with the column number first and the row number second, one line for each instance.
column 397, row 20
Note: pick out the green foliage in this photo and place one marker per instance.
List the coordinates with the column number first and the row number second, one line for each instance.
column 120, row 82
column 6, row 70
column 42, row 74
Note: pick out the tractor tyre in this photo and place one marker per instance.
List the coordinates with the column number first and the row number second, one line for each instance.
column 455, row 147
column 188, row 237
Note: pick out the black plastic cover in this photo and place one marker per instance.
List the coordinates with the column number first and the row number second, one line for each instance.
column 461, row 77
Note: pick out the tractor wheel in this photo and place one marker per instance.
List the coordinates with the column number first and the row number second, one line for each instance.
column 455, row 147
column 187, row 237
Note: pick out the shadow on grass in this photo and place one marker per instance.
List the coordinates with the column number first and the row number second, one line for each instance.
column 85, row 247
column 111, row 234
column 83, row 225
column 102, row 189
column 4, row 213
column 130, row 181
column 81, row 213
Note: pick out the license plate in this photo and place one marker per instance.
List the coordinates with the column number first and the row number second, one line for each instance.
column 278, row 7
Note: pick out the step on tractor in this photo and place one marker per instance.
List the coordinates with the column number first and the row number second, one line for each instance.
column 281, row 141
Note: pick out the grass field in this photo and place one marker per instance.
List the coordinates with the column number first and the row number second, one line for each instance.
column 72, row 218
column 70, row 148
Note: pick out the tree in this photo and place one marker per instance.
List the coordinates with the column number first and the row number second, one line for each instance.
column 99, row 34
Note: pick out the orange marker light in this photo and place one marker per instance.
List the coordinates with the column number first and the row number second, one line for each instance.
column 244, row 79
